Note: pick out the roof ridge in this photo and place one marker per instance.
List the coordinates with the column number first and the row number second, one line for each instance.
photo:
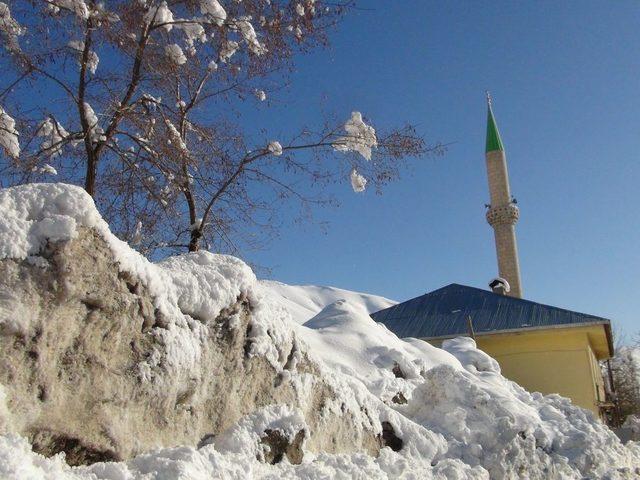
column 502, row 297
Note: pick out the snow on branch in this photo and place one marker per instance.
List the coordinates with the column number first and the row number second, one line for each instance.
column 9, row 28
column 275, row 148
column 358, row 182
column 213, row 10
column 247, row 31
column 361, row 137
column 8, row 135
column 95, row 131
column 175, row 138
column 54, row 137
column 175, row 54
column 161, row 15
column 93, row 59
column 79, row 7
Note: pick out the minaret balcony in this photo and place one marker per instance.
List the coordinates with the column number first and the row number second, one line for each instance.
column 507, row 214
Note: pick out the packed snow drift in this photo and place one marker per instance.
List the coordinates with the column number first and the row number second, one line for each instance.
column 435, row 413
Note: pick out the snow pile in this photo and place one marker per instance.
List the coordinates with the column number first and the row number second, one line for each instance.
column 343, row 337
column 201, row 283
column 632, row 422
column 439, row 413
column 303, row 302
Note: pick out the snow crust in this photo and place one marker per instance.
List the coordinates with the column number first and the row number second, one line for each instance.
column 457, row 417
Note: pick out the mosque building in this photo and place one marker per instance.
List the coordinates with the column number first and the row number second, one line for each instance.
column 543, row 348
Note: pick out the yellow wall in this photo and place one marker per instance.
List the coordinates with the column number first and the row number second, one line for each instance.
column 556, row 360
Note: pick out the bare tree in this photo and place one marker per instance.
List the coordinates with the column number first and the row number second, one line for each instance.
column 625, row 372
column 138, row 106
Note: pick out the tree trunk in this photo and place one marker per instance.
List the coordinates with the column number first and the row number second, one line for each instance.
column 194, row 242
column 90, row 178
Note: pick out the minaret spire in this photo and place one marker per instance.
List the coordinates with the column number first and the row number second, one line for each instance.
column 502, row 214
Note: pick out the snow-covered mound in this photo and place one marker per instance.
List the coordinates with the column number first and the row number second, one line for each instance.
column 304, row 302
column 437, row 413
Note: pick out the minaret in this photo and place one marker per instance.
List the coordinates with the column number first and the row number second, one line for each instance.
column 502, row 214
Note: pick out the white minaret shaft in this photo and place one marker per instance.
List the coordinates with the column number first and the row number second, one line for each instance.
column 502, row 214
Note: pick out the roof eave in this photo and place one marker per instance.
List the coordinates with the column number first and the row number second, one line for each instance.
column 604, row 322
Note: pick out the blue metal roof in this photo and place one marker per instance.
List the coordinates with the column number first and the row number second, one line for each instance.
column 444, row 313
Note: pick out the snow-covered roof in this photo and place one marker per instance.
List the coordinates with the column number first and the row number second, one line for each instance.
column 444, row 313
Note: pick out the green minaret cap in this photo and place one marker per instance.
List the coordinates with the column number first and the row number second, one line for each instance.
column 493, row 136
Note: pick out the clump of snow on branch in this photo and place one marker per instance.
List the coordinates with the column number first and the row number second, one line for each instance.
column 213, row 10
column 249, row 34
column 193, row 31
column 175, row 54
column 358, row 182
column 46, row 168
column 79, row 7
column 213, row 66
column 300, row 9
column 360, row 137
column 275, row 148
column 227, row 50
column 175, row 137
column 92, row 58
column 9, row 28
column 9, row 135
column 54, row 136
column 161, row 15
column 95, row 131
column 260, row 95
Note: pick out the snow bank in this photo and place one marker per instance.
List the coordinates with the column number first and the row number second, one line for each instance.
column 440, row 413
column 191, row 286
column 304, row 302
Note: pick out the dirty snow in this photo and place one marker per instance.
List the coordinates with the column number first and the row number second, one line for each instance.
column 457, row 417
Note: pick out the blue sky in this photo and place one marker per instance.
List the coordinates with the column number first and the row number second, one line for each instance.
column 565, row 81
